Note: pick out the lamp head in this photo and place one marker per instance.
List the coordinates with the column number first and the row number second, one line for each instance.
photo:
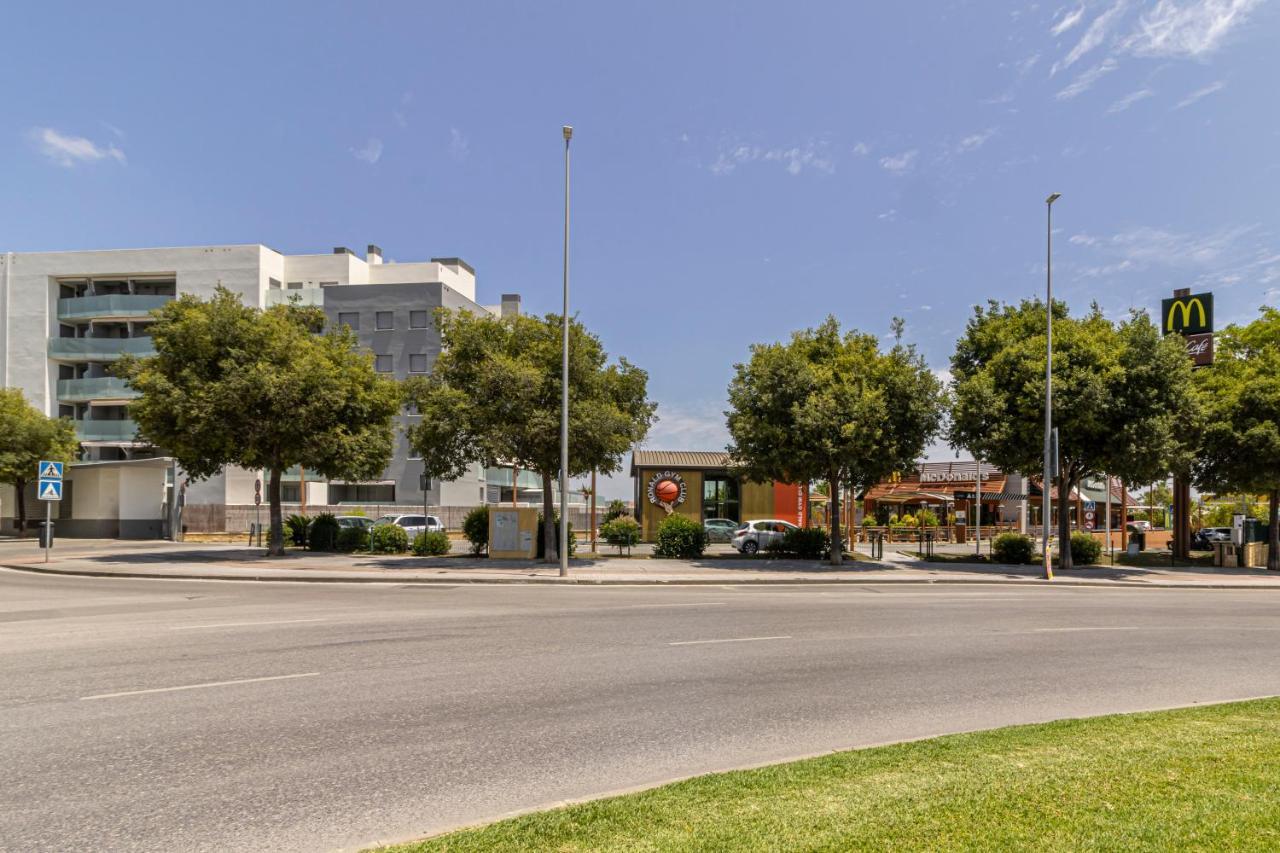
column 1052, row 198
column 568, row 132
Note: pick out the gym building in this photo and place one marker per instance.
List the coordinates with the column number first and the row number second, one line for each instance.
column 701, row 485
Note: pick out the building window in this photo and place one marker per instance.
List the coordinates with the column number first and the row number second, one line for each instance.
column 417, row 363
column 382, row 363
column 418, row 319
column 350, row 319
column 362, row 493
column 295, row 285
column 720, row 498
column 328, row 284
column 383, row 320
column 273, row 283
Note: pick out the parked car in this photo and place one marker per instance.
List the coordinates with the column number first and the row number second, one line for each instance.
column 719, row 529
column 412, row 524
column 1140, row 526
column 354, row 521
column 1205, row 537
column 753, row 536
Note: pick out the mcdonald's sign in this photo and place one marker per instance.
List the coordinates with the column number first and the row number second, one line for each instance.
column 1187, row 315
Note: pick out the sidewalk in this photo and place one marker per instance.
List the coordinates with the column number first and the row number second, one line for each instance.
column 231, row 562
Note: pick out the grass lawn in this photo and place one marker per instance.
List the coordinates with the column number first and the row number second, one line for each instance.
column 1205, row 778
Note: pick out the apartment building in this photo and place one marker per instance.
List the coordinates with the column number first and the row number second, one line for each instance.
column 68, row 315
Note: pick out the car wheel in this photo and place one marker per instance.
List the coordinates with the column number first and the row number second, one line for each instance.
column 750, row 547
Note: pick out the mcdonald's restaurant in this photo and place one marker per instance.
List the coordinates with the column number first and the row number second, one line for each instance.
column 701, row 485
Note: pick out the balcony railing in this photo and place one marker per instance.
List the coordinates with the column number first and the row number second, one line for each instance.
column 119, row 430
column 98, row 349
column 122, row 306
column 100, row 388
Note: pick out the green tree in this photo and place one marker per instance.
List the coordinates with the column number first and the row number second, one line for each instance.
column 1123, row 398
column 1240, row 444
column 831, row 406
column 235, row 385
column 494, row 395
column 27, row 436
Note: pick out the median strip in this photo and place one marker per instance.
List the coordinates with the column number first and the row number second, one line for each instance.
column 197, row 686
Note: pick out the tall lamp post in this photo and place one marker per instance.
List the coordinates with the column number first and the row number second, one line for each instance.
column 1048, row 378
column 564, row 377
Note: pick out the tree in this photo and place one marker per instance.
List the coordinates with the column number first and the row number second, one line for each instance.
column 235, row 385
column 830, row 406
column 1240, row 444
column 29, row 436
column 1123, row 399
column 494, row 395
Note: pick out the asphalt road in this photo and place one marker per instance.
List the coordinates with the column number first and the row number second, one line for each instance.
column 187, row 715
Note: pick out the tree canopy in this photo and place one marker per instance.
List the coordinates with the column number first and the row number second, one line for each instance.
column 494, row 396
column 1240, row 443
column 27, row 436
column 1123, row 399
column 261, row 389
column 831, row 406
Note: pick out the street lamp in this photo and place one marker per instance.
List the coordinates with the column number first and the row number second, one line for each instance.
column 1048, row 377
column 564, row 377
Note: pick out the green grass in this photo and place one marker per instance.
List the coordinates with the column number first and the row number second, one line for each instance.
column 1203, row 778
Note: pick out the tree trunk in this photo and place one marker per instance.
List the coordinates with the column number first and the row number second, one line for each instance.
column 275, row 541
column 837, row 544
column 1064, row 522
column 1273, row 533
column 20, row 488
column 551, row 550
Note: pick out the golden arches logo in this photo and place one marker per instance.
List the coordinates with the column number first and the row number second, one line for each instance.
column 1186, row 306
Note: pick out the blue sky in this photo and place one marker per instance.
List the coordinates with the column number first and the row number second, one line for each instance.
column 738, row 173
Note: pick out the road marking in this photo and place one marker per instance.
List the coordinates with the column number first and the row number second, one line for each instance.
column 198, row 686
column 243, row 624
column 1099, row 628
column 639, row 606
column 733, row 640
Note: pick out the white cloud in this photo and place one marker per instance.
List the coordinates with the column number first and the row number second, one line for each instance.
column 899, row 163
column 1087, row 79
column 1092, row 38
column 1224, row 257
column 811, row 155
column 1203, row 92
column 976, row 140
column 889, row 215
column 1068, row 21
column 68, row 151
column 1129, row 100
column 459, row 146
column 1187, row 29
column 862, row 149
column 697, row 426
column 370, row 152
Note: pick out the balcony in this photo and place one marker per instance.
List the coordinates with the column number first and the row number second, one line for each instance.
column 98, row 349
column 121, row 431
column 114, row 306
column 100, row 389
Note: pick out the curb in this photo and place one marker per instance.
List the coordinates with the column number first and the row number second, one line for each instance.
column 555, row 581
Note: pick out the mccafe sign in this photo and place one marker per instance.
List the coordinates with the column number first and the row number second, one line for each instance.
column 1190, row 315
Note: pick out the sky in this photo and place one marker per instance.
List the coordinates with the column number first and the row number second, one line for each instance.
column 738, row 173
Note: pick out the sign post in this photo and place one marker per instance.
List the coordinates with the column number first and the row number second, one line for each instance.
column 257, row 508
column 1189, row 315
column 49, row 478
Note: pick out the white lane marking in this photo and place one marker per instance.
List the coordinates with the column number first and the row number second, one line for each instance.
column 733, row 640
column 198, row 686
column 243, row 624
column 1100, row 628
column 639, row 606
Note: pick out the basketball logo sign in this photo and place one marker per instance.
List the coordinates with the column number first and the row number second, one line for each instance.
column 667, row 490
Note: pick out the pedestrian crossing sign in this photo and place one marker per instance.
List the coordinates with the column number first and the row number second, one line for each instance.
column 50, row 470
column 50, row 490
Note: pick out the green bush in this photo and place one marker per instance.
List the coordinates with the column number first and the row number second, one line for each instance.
column 615, row 509
column 623, row 531
column 1013, row 548
column 431, row 543
column 351, row 539
column 1085, row 550
column 295, row 530
column 681, row 538
column 542, row 537
column 323, row 533
column 388, row 539
column 927, row 518
column 805, row 543
column 475, row 527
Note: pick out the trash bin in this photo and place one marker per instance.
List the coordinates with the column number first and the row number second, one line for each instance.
column 46, row 534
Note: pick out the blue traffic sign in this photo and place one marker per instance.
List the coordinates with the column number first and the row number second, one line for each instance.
column 49, row 470
column 49, row 490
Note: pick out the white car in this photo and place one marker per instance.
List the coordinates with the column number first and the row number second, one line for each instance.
column 412, row 524
column 751, row 537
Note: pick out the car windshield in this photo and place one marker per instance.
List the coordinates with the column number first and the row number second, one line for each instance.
column 387, row 519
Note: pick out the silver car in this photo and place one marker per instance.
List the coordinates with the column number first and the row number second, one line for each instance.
column 412, row 524
column 719, row 529
column 751, row 537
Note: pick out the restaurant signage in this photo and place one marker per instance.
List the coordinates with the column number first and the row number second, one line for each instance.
column 1190, row 315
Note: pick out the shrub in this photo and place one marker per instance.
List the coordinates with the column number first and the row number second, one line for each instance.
column 623, row 531
column 868, row 521
column 927, row 518
column 908, row 520
column 542, row 538
column 806, row 543
column 295, row 528
column 431, row 543
column 323, row 533
column 615, row 509
column 475, row 527
column 388, row 539
column 352, row 539
column 1013, row 548
column 680, row 537
column 356, row 510
column 1085, row 550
